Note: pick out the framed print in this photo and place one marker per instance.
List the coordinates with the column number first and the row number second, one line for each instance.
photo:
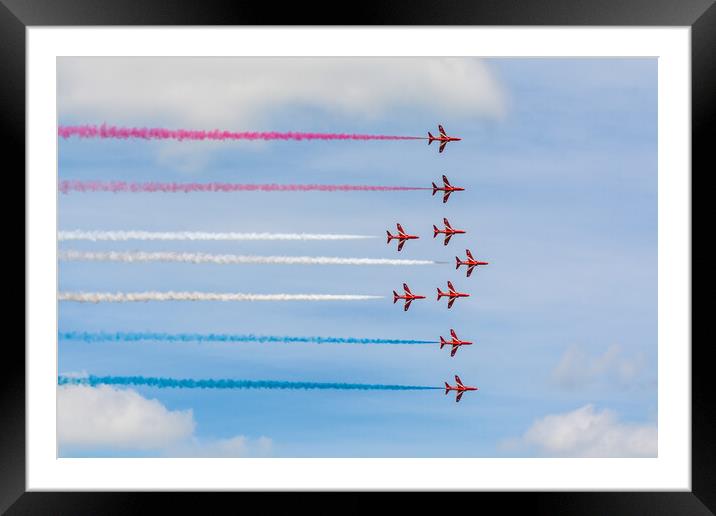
column 444, row 250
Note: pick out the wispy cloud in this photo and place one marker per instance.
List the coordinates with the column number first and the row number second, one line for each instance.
column 587, row 432
column 577, row 368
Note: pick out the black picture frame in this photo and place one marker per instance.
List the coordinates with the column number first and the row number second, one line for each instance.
column 700, row 15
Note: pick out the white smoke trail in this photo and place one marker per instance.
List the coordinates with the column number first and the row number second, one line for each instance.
column 226, row 259
column 127, row 297
column 198, row 235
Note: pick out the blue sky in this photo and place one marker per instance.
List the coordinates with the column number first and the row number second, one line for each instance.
column 559, row 162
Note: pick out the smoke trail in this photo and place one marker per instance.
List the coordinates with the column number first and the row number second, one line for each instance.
column 128, row 297
column 157, row 133
column 227, row 259
column 188, row 383
column 67, row 186
column 92, row 337
column 198, row 235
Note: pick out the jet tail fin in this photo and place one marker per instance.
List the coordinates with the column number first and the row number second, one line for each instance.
column 435, row 188
column 447, row 388
column 441, row 293
column 442, row 342
column 430, row 138
column 457, row 262
column 435, row 231
column 390, row 237
column 395, row 297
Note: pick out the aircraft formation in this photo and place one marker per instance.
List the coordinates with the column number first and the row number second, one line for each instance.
column 470, row 262
column 447, row 230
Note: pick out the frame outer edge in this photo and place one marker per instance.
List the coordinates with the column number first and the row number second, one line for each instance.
column 12, row 124
column 417, row 12
column 12, row 135
column 703, row 112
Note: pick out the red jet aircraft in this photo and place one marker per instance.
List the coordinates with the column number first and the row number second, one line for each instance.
column 455, row 342
column 451, row 293
column 443, row 138
column 402, row 236
column 469, row 261
column 447, row 188
column 459, row 387
column 409, row 296
column 449, row 231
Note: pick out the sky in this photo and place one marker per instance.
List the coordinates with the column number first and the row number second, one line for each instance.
column 559, row 163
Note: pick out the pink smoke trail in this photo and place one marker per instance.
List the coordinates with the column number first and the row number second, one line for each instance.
column 105, row 131
column 67, row 186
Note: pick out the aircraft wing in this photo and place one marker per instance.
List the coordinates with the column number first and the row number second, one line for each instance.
column 442, row 146
column 452, row 300
column 401, row 244
column 400, row 229
column 446, row 196
column 458, row 381
column 469, row 269
column 453, row 334
column 447, row 223
column 469, row 254
column 407, row 304
column 442, row 131
column 448, row 236
column 450, row 287
column 406, row 288
column 454, row 350
column 459, row 395
column 445, row 180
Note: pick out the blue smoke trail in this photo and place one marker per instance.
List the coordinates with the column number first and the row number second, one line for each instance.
column 222, row 337
column 188, row 383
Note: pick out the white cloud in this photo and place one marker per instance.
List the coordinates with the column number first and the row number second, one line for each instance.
column 94, row 417
column 242, row 93
column 238, row 446
column 586, row 432
column 576, row 368
column 104, row 417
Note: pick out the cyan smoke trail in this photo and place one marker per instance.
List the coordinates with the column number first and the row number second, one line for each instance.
column 198, row 235
column 157, row 133
column 131, row 297
column 92, row 337
column 227, row 259
column 188, row 383
column 67, row 186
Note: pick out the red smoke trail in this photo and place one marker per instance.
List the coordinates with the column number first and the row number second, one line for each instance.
column 122, row 186
column 157, row 133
